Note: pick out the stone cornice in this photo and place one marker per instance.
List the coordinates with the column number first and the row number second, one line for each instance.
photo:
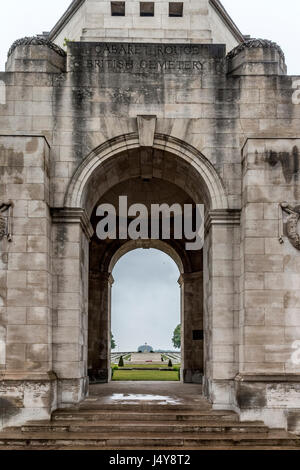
column 102, row 277
column 185, row 277
column 19, row 375
column 269, row 137
column 222, row 217
column 25, row 134
column 268, row 378
column 72, row 216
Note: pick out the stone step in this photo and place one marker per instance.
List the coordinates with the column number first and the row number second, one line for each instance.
column 168, row 415
column 159, row 441
column 129, row 427
column 141, row 407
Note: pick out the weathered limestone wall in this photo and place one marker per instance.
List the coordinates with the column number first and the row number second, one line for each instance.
column 270, row 304
column 221, row 309
column 99, row 341
column 72, row 31
column 238, row 114
column 27, row 386
column 70, row 235
column 200, row 23
column 192, row 326
column 197, row 108
column 220, row 33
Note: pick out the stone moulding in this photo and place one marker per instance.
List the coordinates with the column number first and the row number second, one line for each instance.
column 72, row 216
column 15, row 376
column 222, row 217
column 206, row 171
column 268, row 378
column 36, row 41
column 255, row 44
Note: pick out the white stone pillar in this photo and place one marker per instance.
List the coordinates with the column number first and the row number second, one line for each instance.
column 221, row 305
column 268, row 384
column 192, row 326
column 27, row 383
column 71, row 233
column 99, row 363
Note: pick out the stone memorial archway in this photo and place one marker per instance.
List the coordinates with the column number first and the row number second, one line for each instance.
column 168, row 163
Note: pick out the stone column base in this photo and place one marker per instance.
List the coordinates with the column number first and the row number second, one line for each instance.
column 192, row 376
column 99, row 376
column 220, row 393
column 274, row 399
column 26, row 397
column 70, row 392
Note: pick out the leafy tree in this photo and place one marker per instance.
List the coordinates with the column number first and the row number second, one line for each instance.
column 121, row 362
column 177, row 337
column 170, row 363
column 113, row 343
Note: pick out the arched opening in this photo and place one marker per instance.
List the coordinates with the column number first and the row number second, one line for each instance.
column 169, row 171
column 145, row 311
column 104, row 254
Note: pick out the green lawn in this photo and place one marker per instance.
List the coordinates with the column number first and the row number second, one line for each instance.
column 144, row 375
column 146, row 366
column 163, row 365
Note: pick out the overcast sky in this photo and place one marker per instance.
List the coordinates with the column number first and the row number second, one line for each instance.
column 270, row 19
column 145, row 302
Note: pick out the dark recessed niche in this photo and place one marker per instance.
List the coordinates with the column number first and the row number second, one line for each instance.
column 117, row 8
column 146, row 8
column 197, row 335
column 175, row 9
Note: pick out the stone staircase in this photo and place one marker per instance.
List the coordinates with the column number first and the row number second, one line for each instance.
column 145, row 426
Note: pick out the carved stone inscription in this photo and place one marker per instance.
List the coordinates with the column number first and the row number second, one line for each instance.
column 184, row 59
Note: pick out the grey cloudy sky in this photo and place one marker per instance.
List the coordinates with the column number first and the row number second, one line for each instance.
column 145, row 302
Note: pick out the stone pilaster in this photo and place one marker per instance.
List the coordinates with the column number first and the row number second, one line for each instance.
column 27, row 383
column 71, row 233
column 100, row 285
column 221, row 274
column 269, row 369
column 192, row 326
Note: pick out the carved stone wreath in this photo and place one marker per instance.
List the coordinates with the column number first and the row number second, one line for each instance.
column 254, row 44
column 36, row 41
column 5, row 225
column 2, row 227
column 292, row 223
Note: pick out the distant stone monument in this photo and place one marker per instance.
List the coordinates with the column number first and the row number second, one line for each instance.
column 145, row 355
column 146, row 348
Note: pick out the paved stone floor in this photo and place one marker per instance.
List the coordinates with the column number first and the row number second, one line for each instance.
column 145, row 415
column 159, row 393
